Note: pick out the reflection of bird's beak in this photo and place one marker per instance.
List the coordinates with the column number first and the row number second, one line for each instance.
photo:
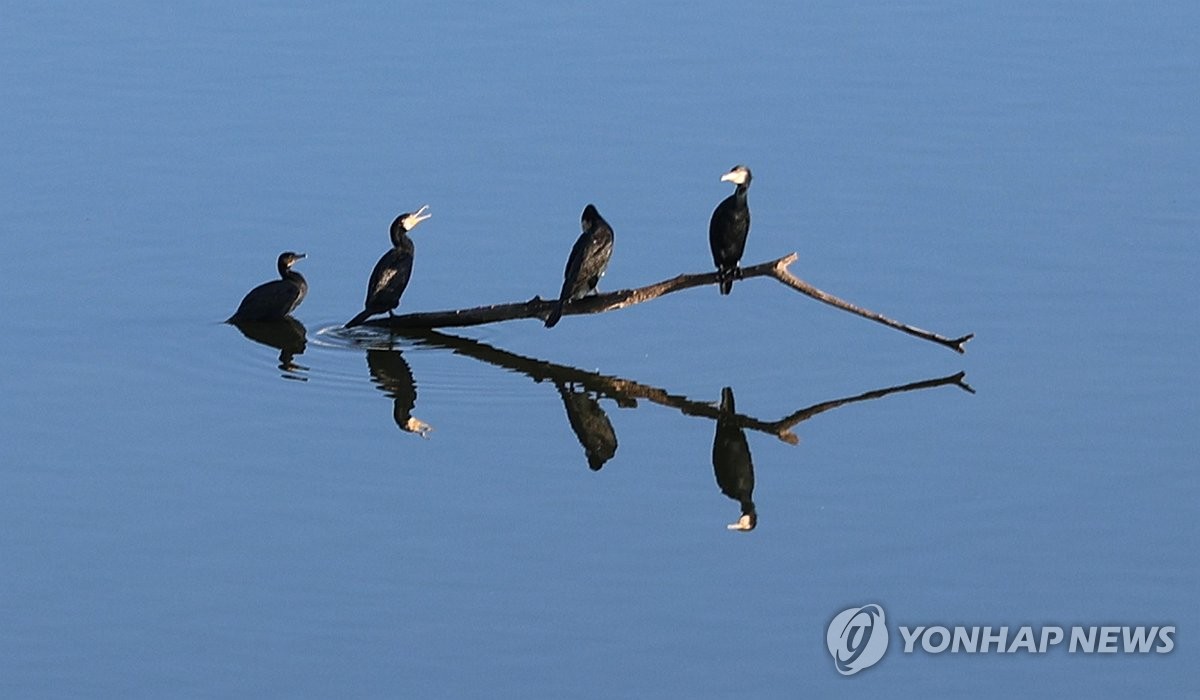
column 744, row 523
column 418, row 426
column 416, row 217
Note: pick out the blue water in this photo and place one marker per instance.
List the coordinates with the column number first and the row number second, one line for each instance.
column 180, row 515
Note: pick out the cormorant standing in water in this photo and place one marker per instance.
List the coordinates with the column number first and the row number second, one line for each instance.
column 391, row 273
column 728, row 228
column 589, row 258
column 273, row 300
column 732, row 464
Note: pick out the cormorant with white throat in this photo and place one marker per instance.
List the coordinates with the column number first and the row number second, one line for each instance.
column 391, row 273
column 728, row 228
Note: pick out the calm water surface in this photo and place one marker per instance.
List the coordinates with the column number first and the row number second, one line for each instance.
column 184, row 510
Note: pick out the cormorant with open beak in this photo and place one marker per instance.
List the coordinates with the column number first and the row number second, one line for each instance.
column 391, row 273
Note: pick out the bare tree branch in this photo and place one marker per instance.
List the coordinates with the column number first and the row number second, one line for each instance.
column 610, row 301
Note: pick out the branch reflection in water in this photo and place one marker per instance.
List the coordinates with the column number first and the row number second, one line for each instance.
column 581, row 391
column 287, row 335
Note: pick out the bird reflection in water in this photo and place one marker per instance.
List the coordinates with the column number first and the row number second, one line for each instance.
column 590, row 423
column 732, row 464
column 287, row 335
column 391, row 372
column 581, row 391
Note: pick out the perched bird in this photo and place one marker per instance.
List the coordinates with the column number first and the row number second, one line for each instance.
column 273, row 300
column 588, row 261
column 391, row 273
column 728, row 228
column 732, row 464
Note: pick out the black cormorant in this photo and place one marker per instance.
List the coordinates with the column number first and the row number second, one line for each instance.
column 589, row 258
column 391, row 273
column 732, row 464
column 728, row 228
column 276, row 299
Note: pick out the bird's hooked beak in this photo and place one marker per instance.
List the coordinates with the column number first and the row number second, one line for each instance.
column 737, row 176
column 411, row 221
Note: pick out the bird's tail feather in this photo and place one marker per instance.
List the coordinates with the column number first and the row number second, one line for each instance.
column 358, row 320
column 555, row 314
